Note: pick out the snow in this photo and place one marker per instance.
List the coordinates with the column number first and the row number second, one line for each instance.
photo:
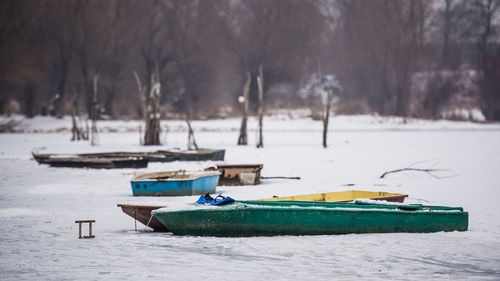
column 39, row 204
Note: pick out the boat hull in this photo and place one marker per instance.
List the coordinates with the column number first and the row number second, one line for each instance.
column 246, row 218
column 142, row 213
column 96, row 163
column 167, row 155
column 154, row 156
column 167, row 187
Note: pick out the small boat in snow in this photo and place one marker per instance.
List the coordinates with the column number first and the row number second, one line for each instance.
column 75, row 161
column 342, row 196
column 238, row 174
column 261, row 218
column 151, row 156
column 175, row 183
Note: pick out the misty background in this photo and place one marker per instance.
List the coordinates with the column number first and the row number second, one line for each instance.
column 411, row 58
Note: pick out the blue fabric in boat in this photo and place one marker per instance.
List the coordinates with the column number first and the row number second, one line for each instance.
column 219, row 200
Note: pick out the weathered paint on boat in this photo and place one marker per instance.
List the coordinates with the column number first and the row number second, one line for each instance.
column 142, row 213
column 175, row 183
column 90, row 162
column 234, row 174
column 252, row 218
column 168, row 155
column 153, row 156
column 342, row 196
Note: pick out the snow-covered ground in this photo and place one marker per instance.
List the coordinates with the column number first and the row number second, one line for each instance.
column 39, row 204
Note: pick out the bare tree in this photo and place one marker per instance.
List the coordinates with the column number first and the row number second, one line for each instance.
column 152, row 132
column 243, row 139
column 191, row 140
column 329, row 85
column 95, row 109
column 260, row 84
column 76, row 131
column 326, row 115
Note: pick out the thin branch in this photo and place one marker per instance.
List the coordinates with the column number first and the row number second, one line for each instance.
column 428, row 171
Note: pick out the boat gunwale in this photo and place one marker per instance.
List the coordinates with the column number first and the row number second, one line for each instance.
column 366, row 194
column 343, row 207
column 173, row 178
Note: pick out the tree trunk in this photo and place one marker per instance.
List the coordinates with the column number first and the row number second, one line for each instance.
column 326, row 116
column 152, row 133
column 75, row 130
column 243, row 139
column 191, row 141
column 95, row 111
column 260, row 84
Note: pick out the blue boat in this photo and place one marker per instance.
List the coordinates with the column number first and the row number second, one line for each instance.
column 175, row 183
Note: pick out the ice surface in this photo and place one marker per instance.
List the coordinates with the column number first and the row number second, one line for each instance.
column 39, row 204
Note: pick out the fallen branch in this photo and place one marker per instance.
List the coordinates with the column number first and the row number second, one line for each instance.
column 286, row 178
column 428, row 171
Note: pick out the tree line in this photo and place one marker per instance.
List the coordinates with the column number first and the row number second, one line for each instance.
column 393, row 57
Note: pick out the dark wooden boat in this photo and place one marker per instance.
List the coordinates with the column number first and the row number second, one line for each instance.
column 142, row 213
column 262, row 218
column 153, row 156
column 90, row 162
column 238, row 174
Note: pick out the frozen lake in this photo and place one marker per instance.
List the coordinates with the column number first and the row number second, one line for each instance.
column 39, row 206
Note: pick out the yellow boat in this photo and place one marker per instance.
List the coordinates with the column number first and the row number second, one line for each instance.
column 342, row 196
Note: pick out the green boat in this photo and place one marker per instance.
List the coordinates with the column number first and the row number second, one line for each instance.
column 268, row 218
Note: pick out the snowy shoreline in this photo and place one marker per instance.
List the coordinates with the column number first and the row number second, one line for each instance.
column 275, row 123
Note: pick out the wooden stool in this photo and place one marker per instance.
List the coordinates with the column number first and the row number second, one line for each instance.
column 80, row 228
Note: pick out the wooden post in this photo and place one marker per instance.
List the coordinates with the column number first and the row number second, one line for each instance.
column 326, row 115
column 243, row 139
column 135, row 218
column 260, row 84
column 75, row 131
column 191, row 140
column 94, row 111
column 140, row 135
